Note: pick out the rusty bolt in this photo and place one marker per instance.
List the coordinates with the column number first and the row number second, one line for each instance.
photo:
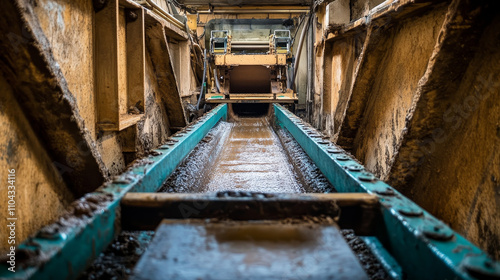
column 334, row 151
column 482, row 267
column 355, row 168
column 130, row 15
column 386, row 191
column 409, row 211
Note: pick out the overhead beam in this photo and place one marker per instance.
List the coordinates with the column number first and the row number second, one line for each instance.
column 379, row 15
column 171, row 30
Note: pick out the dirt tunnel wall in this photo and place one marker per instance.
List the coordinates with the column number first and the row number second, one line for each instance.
column 415, row 99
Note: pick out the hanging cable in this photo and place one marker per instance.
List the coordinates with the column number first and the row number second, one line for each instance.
column 299, row 49
column 203, row 86
column 302, row 17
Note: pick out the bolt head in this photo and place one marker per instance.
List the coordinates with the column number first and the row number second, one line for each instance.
column 482, row 267
column 437, row 232
column 367, row 177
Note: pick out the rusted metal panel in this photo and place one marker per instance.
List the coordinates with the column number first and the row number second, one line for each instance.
column 159, row 51
column 46, row 99
column 250, row 59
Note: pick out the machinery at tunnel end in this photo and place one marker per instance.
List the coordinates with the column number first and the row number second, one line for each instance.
column 249, row 62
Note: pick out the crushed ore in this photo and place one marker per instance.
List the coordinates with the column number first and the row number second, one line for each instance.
column 308, row 173
column 188, row 176
column 119, row 259
column 369, row 262
column 247, row 155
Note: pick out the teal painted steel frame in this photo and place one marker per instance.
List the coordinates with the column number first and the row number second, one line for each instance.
column 67, row 252
column 424, row 246
column 390, row 265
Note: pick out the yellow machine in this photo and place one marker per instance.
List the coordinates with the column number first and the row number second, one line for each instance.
column 244, row 68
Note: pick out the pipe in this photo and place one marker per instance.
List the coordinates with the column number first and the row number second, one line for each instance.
column 297, row 31
column 217, row 84
column 310, row 73
column 204, row 79
column 299, row 49
column 163, row 13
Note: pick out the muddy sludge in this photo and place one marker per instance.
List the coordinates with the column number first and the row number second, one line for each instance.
column 247, row 155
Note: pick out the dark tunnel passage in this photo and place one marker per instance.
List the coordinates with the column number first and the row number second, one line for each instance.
column 251, row 109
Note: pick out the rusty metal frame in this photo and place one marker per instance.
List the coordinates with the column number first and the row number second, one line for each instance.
column 287, row 97
column 250, row 59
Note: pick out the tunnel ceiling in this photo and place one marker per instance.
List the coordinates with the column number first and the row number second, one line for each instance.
column 243, row 3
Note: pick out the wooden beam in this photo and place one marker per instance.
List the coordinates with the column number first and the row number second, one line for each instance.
column 157, row 46
column 106, row 66
column 147, row 210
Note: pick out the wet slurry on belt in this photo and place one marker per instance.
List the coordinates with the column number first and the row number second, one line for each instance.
column 248, row 154
column 252, row 159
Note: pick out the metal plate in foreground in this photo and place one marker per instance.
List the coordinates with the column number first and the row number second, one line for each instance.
column 194, row 249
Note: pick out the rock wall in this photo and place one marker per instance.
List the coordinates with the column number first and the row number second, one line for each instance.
column 40, row 192
column 412, row 91
column 408, row 47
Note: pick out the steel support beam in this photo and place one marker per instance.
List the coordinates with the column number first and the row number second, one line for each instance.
column 64, row 249
column 424, row 246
